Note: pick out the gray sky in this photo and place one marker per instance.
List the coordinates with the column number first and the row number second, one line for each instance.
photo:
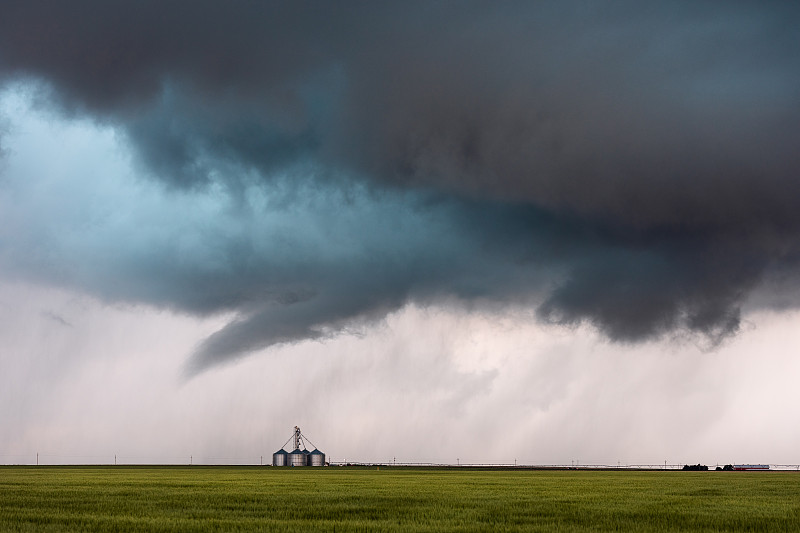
column 548, row 232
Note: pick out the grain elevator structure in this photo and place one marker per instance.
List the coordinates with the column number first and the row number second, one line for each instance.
column 298, row 456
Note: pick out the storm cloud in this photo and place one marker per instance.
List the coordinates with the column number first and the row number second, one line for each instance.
column 313, row 166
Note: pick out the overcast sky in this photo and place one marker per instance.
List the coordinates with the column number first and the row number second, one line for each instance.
column 435, row 231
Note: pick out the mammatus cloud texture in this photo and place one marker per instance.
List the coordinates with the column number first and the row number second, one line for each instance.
column 313, row 166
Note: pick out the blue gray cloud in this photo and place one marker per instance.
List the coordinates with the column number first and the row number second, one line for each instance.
column 319, row 164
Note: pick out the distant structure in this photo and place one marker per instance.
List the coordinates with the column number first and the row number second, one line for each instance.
column 298, row 457
column 751, row 467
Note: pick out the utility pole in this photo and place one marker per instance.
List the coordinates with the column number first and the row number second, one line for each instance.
column 37, row 458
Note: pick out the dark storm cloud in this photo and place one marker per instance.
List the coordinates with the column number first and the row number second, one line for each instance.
column 629, row 165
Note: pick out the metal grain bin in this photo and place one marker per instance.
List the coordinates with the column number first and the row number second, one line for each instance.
column 280, row 458
column 297, row 458
column 317, row 458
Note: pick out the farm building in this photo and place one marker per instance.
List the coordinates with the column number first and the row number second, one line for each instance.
column 751, row 467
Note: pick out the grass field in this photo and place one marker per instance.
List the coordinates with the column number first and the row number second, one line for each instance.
column 392, row 499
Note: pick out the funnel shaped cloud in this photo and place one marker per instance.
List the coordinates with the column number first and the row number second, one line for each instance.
column 630, row 166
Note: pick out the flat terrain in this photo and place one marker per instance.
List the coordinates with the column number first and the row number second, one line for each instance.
column 392, row 499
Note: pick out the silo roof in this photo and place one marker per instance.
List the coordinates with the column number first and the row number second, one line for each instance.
column 282, row 451
column 316, row 452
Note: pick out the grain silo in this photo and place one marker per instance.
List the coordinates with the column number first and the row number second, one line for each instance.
column 299, row 456
column 316, row 458
column 280, row 458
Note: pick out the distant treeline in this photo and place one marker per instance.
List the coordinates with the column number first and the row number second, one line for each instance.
column 698, row 467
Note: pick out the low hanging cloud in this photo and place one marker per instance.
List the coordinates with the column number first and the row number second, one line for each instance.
column 629, row 166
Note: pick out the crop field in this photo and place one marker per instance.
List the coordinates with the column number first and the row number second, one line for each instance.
column 392, row 499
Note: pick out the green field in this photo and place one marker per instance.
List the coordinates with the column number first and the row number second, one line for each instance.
column 392, row 499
